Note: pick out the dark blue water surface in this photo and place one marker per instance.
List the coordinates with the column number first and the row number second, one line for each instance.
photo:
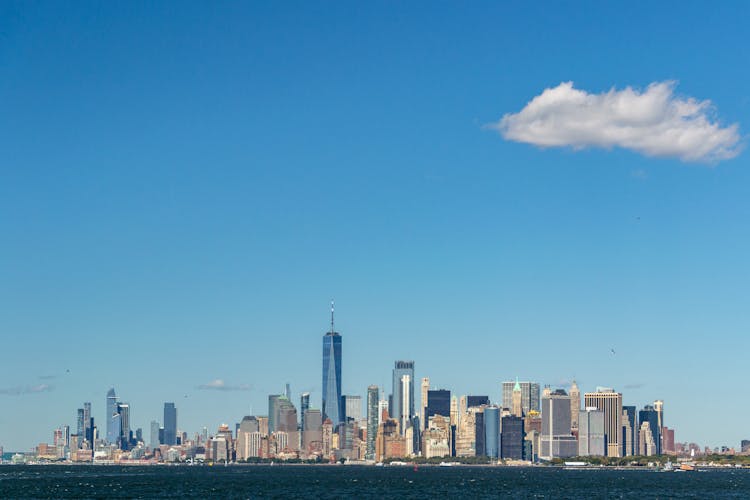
column 292, row 481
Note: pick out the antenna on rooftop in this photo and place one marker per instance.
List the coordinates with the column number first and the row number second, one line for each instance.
column 332, row 317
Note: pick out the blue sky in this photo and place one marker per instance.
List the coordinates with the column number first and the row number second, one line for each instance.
column 184, row 187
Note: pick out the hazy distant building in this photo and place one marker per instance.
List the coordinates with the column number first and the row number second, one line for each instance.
column 170, row 424
column 591, row 440
column 312, row 436
column 529, row 395
column 248, row 438
column 304, row 404
column 332, row 402
column 113, row 434
column 556, row 439
column 512, row 438
column 154, row 435
column 610, row 402
column 88, row 423
column 473, row 401
column 353, row 407
column 745, row 446
column 396, row 410
column 575, row 404
column 667, row 440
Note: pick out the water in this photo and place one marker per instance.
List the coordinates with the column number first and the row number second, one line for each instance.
column 290, row 481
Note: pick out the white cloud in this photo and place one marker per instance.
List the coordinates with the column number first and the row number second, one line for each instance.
column 220, row 385
column 655, row 122
column 19, row 390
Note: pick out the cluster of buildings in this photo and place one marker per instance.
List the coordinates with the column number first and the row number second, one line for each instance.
column 528, row 423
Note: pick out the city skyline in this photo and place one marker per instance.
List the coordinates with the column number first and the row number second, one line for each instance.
column 184, row 188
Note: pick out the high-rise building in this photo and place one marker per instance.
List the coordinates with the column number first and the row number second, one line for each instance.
column 745, row 446
column 529, row 395
column 659, row 407
column 88, row 423
column 170, row 424
column 154, row 441
column 512, row 437
column 248, row 444
column 124, row 439
column 646, row 440
column 575, row 404
column 80, row 426
column 353, row 407
column 304, row 405
column 491, row 423
column 651, row 415
column 516, row 407
column 629, row 431
column 439, row 403
column 406, row 401
column 557, row 441
column 424, row 399
column 273, row 411
column 610, row 402
column 667, row 440
column 479, row 446
column 312, row 436
column 591, row 433
column 113, row 435
column 396, row 410
column 373, row 398
column 332, row 403
column 472, row 401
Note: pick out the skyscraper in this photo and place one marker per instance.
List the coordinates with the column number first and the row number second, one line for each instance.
column 516, row 407
column 88, row 423
column 304, row 405
column 439, row 404
column 610, row 402
column 373, row 397
column 424, row 399
column 529, row 395
column 575, row 404
column 113, row 435
column 629, row 431
column 124, row 439
column 332, row 403
column 492, row 431
column 170, row 424
column 353, row 407
column 659, row 407
column 154, row 441
column 80, row 427
column 556, row 439
column 511, row 437
column 406, row 402
column 651, row 415
column 396, row 410
column 591, row 433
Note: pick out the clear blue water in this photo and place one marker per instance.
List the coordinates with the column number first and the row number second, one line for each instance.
column 289, row 481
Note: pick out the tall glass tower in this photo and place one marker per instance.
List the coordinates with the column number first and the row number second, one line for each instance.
column 397, row 410
column 331, row 399
column 113, row 434
column 170, row 424
column 373, row 398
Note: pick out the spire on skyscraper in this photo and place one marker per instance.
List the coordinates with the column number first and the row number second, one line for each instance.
column 332, row 330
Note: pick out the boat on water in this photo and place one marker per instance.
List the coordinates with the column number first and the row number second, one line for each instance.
column 668, row 467
column 447, row 464
column 687, row 467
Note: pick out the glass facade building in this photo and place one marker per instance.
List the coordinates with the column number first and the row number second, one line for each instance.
column 113, row 434
column 332, row 402
column 395, row 409
column 170, row 424
column 512, row 435
column 491, row 431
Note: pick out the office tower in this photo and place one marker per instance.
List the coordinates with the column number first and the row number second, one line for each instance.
column 745, row 446
column 659, row 407
column 331, row 397
column 575, row 405
column 80, row 427
column 591, row 433
column 116, row 422
column 406, row 402
column 247, row 442
column 304, row 405
column 373, row 397
column 397, row 410
column 288, row 391
column 516, row 407
column 610, row 402
column 646, row 439
column 556, row 439
column 383, row 410
column 651, row 415
column 124, row 439
column 491, row 431
column 88, row 423
column 353, row 407
column 479, row 447
column 529, row 395
column 439, row 403
column 454, row 411
column 466, row 437
column 511, row 438
column 629, row 431
column 66, row 435
column 424, row 399
column 667, row 440
column 273, row 411
column 312, row 436
column 472, row 401
column 154, row 441
column 170, row 424
column 113, row 435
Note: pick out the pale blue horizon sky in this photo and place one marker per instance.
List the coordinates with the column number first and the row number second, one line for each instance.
column 185, row 186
